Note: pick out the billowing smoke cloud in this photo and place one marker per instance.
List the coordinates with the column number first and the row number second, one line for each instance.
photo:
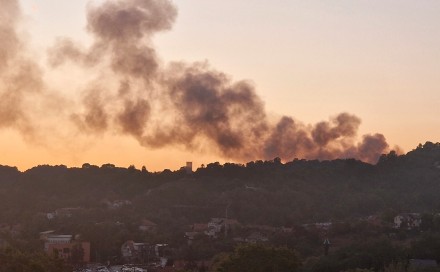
column 20, row 77
column 122, row 32
column 185, row 105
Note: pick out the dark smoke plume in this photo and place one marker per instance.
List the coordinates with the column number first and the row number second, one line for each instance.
column 95, row 117
column 20, row 77
column 186, row 105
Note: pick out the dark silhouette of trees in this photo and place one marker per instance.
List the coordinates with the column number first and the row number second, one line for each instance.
column 77, row 255
column 258, row 258
column 12, row 260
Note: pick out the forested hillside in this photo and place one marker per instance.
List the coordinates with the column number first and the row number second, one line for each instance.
column 107, row 204
column 263, row 192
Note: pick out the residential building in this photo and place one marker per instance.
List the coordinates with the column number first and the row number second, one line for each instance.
column 65, row 247
column 256, row 237
column 407, row 221
column 134, row 252
column 148, row 226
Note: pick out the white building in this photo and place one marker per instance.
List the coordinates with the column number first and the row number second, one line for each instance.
column 407, row 221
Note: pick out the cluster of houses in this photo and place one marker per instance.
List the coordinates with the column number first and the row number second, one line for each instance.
column 406, row 221
column 68, row 246
column 225, row 227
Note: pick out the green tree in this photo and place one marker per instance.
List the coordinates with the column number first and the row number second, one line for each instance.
column 12, row 260
column 258, row 258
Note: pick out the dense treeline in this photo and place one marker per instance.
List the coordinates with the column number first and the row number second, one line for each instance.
column 264, row 192
column 257, row 193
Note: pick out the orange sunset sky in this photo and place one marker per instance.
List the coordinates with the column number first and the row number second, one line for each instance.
column 311, row 60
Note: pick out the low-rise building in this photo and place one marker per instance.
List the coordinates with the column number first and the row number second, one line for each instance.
column 62, row 213
column 407, row 221
column 65, row 247
column 148, row 226
column 132, row 251
column 256, row 237
column 218, row 225
column 195, row 230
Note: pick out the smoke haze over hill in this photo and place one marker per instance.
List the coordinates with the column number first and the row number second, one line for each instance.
column 188, row 105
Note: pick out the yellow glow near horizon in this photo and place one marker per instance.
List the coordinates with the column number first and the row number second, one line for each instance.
column 117, row 150
column 379, row 60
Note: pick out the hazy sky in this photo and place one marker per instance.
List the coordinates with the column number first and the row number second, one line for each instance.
column 379, row 60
